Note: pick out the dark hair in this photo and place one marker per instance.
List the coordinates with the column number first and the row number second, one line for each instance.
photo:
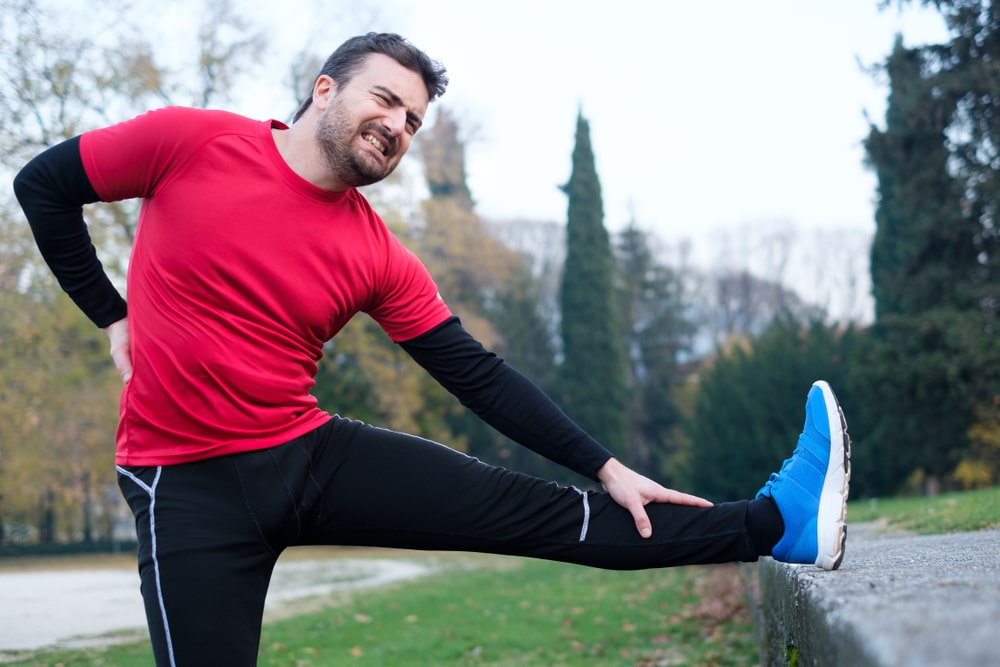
column 344, row 63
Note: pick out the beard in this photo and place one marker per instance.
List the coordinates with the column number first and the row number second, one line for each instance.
column 351, row 164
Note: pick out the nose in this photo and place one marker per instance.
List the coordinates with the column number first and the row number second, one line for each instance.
column 395, row 121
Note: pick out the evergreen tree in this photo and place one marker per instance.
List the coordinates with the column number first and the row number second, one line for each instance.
column 924, row 253
column 926, row 371
column 656, row 334
column 967, row 73
column 593, row 368
column 749, row 405
column 919, row 380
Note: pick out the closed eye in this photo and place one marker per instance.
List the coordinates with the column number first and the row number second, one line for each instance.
column 391, row 99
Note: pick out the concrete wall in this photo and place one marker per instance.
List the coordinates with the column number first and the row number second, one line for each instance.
column 897, row 600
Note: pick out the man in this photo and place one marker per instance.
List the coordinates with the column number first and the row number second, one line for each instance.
column 253, row 249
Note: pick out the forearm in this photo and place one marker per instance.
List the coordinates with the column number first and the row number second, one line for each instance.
column 505, row 399
column 525, row 414
column 52, row 190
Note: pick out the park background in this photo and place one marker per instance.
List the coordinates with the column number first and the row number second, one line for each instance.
column 679, row 317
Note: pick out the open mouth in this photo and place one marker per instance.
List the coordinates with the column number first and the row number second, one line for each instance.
column 375, row 141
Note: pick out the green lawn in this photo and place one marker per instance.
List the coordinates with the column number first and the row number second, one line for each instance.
column 537, row 613
column 543, row 614
column 945, row 513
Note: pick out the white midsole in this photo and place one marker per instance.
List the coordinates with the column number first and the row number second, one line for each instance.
column 834, row 494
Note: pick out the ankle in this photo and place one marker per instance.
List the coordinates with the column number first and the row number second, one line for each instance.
column 764, row 524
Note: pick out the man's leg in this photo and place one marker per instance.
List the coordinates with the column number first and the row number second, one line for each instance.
column 204, row 563
column 384, row 488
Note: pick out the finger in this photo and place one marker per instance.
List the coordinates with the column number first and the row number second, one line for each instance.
column 121, row 354
column 679, row 498
column 642, row 522
column 123, row 366
column 122, row 359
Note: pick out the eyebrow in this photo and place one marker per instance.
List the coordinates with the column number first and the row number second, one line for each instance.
column 398, row 101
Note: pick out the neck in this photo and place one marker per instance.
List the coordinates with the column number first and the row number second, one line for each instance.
column 297, row 146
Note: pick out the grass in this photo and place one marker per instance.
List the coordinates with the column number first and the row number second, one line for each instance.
column 527, row 613
column 541, row 614
column 534, row 613
column 945, row 513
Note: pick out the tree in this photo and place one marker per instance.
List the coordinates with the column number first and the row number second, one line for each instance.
column 656, row 333
column 543, row 247
column 740, row 304
column 59, row 389
column 749, row 399
column 924, row 253
column 965, row 72
column 58, row 410
column 61, row 80
column 929, row 368
column 527, row 345
column 487, row 283
column 593, row 367
column 920, row 380
column 471, row 266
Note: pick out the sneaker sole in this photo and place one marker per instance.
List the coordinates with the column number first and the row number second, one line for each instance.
column 836, row 484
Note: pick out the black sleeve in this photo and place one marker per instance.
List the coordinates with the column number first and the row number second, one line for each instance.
column 504, row 398
column 52, row 190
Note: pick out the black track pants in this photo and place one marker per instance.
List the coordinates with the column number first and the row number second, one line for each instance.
column 210, row 532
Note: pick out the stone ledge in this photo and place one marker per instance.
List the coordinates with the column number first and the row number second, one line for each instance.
column 896, row 601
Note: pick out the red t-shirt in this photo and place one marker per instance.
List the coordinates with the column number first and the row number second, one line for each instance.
column 240, row 272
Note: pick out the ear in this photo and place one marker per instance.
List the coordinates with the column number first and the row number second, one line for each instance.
column 323, row 91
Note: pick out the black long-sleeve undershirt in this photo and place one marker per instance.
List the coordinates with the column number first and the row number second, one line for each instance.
column 52, row 190
column 504, row 398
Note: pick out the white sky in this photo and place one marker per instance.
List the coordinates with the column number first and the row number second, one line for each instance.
column 722, row 123
column 702, row 115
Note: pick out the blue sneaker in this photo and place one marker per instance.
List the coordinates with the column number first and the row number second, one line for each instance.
column 810, row 490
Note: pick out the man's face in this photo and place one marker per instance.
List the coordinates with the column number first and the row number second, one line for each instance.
column 367, row 125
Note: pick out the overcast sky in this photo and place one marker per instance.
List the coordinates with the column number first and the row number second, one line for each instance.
column 705, row 117
column 702, row 115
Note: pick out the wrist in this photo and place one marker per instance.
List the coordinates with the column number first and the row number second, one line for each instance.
column 114, row 326
column 609, row 471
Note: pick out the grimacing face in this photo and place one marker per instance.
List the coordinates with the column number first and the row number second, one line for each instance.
column 367, row 125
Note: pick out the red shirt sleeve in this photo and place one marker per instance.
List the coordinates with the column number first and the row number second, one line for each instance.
column 129, row 159
column 409, row 303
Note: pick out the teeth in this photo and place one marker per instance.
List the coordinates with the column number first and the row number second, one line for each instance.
column 374, row 142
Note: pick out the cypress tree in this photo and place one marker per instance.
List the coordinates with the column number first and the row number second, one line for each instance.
column 924, row 253
column 928, row 363
column 967, row 74
column 593, row 368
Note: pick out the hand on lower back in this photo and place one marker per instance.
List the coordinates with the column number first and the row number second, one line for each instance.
column 121, row 353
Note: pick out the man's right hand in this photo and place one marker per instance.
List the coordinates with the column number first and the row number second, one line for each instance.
column 634, row 491
column 121, row 354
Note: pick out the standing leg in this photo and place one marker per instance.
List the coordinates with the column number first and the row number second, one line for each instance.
column 203, row 562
